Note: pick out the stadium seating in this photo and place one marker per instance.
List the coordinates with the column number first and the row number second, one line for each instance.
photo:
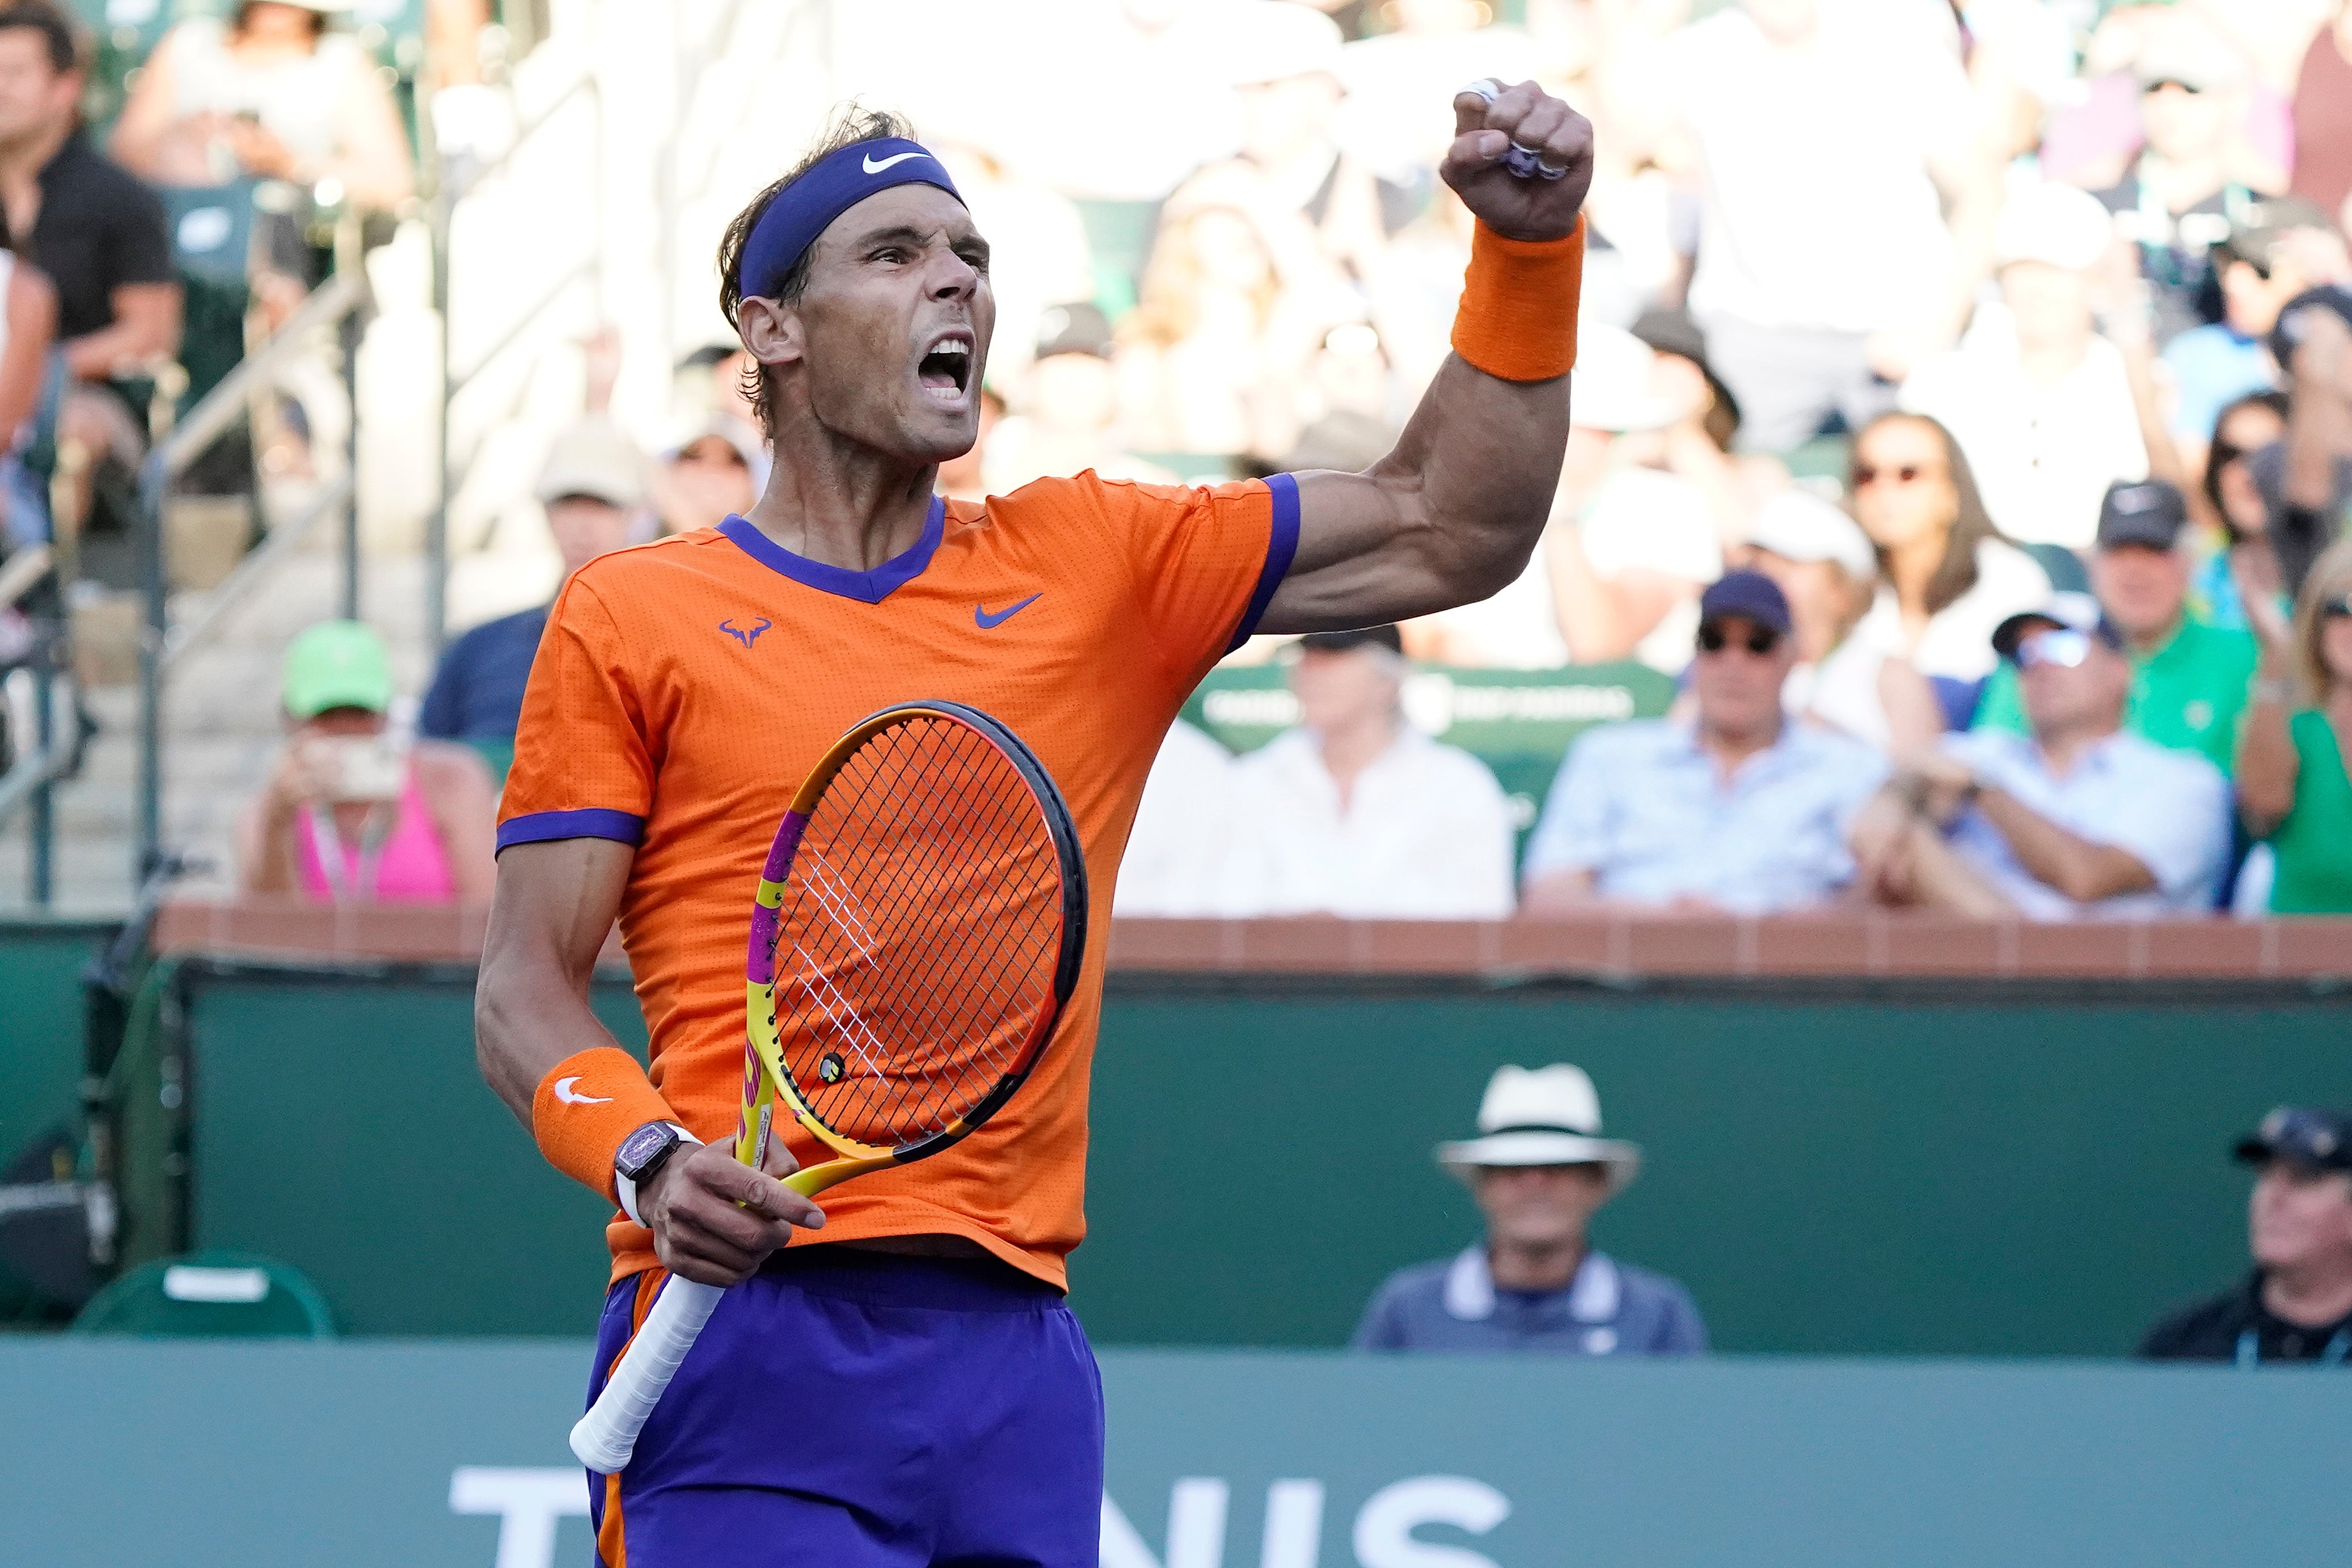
column 210, row 1295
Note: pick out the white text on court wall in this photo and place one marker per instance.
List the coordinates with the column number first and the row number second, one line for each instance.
column 1382, row 1537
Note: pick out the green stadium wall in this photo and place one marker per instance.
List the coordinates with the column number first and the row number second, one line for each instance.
column 1854, row 1167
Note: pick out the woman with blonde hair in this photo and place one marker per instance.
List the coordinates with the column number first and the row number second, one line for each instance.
column 2292, row 787
column 1230, row 305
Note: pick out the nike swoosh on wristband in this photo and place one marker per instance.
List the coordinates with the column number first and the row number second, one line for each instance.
column 986, row 622
column 874, row 168
column 571, row 1096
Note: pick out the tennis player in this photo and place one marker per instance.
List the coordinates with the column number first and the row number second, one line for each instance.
column 895, row 1381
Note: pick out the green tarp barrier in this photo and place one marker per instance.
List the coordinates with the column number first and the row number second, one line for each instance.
column 1874, row 1167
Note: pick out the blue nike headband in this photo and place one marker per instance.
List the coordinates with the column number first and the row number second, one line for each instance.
column 833, row 185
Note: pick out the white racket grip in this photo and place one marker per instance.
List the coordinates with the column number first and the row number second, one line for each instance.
column 607, row 1435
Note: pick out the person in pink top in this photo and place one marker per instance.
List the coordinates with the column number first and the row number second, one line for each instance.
column 346, row 817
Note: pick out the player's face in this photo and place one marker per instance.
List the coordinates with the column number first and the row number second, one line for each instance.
column 1540, row 1206
column 895, row 324
column 2299, row 1216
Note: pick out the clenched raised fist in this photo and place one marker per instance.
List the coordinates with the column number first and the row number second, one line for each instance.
column 1521, row 160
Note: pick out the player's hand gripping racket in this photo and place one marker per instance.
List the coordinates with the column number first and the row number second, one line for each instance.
column 919, row 927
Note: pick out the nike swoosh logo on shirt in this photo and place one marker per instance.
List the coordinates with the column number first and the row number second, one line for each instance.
column 874, row 168
column 571, row 1096
column 986, row 622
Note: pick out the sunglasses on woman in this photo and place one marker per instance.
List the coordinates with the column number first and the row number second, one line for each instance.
column 1760, row 640
column 2337, row 609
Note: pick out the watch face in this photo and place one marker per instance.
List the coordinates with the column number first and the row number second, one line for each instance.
column 642, row 1145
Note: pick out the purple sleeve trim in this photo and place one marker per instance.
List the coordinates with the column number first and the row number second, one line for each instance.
column 1281, row 545
column 538, row 827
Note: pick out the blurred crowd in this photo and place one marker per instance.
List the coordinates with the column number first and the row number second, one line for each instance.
column 1963, row 413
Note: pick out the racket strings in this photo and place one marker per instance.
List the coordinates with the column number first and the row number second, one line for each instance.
column 928, row 1098
column 903, row 1009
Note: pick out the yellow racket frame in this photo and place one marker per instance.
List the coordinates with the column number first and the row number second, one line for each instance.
column 766, row 1082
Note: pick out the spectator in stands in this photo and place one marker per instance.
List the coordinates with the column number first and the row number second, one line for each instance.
column 2177, row 201
column 1209, row 358
column 2078, row 821
column 1539, row 1170
column 1356, row 812
column 1738, row 809
column 1176, row 861
column 2292, row 788
column 1824, row 565
column 2296, row 1305
column 1068, row 416
column 1285, row 62
column 1634, row 539
column 2232, row 509
column 1948, row 576
column 2188, row 679
column 28, row 325
column 1831, row 136
column 346, row 817
column 2323, row 118
column 592, row 487
column 2279, row 250
column 95, row 232
column 2037, row 399
column 715, row 470
column 270, row 94
column 2305, row 479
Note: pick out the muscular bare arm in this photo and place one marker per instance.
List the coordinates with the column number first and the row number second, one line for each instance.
column 1453, row 512
column 712, row 1220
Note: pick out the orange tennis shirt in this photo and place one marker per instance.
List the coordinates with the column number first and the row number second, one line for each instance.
column 683, row 688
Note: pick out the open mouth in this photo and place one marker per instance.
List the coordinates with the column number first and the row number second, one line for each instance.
column 946, row 370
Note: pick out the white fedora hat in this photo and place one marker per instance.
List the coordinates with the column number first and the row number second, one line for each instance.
column 1541, row 1116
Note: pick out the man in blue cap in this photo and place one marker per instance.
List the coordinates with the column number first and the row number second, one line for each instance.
column 1739, row 808
column 2296, row 1305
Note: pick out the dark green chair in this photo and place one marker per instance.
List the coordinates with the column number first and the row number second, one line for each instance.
column 209, row 1295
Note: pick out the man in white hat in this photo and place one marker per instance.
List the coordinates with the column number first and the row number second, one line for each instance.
column 1539, row 1169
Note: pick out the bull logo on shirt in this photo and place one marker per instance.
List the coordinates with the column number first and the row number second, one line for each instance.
column 742, row 636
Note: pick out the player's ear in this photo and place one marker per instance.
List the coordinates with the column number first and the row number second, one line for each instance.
column 772, row 330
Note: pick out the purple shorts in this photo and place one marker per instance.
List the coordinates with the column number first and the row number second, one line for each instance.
column 855, row 1409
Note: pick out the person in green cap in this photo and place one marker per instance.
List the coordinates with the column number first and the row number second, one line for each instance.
column 346, row 817
column 2188, row 679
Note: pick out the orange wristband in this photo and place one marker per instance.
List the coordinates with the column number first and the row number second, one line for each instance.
column 586, row 1105
column 1516, row 320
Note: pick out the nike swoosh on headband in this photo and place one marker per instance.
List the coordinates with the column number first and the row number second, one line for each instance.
column 873, row 168
column 571, row 1096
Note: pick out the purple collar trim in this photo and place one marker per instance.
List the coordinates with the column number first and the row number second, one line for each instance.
column 865, row 587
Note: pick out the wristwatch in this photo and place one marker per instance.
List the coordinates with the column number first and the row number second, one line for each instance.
column 641, row 1154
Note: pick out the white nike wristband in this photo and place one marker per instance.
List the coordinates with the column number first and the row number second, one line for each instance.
column 627, row 1190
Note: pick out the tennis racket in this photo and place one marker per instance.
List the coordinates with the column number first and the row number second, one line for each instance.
column 917, row 931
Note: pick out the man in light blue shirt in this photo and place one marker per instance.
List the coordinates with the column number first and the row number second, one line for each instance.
column 2078, row 821
column 1742, row 809
column 1539, row 1170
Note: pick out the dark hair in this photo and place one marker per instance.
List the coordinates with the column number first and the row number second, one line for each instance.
column 851, row 124
column 38, row 16
column 245, row 9
column 2222, row 453
column 1971, row 524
